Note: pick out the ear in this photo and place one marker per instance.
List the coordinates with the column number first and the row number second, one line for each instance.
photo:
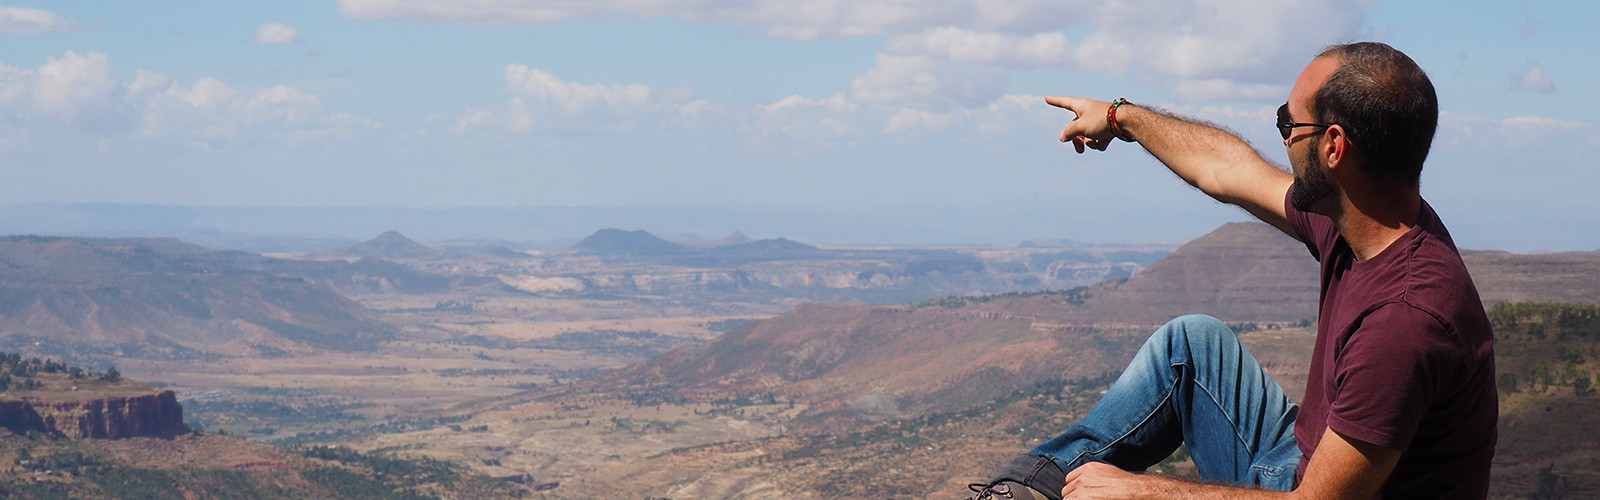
column 1335, row 146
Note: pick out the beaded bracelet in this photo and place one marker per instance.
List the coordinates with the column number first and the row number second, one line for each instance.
column 1111, row 121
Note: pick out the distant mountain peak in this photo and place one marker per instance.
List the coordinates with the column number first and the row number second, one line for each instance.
column 394, row 244
column 1051, row 243
column 391, row 237
column 1241, row 270
column 779, row 244
column 737, row 238
column 618, row 241
column 774, row 248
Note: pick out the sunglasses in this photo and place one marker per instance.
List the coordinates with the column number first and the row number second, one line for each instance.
column 1285, row 125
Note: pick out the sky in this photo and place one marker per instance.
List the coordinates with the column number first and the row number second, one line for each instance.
column 903, row 111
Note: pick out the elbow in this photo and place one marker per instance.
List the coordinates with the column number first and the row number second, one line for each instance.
column 1213, row 186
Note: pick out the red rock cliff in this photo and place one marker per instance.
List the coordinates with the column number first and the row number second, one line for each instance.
column 111, row 417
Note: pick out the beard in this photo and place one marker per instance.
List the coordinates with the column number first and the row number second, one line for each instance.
column 1313, row 185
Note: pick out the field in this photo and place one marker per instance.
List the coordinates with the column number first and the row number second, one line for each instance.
column 454, row 351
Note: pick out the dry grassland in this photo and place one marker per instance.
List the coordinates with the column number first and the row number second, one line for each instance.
column 450, row 350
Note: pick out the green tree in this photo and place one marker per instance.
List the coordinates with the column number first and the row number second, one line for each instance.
column 112, row 375
column 1552, row 486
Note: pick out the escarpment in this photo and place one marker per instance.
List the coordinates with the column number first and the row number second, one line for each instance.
column 152, row 414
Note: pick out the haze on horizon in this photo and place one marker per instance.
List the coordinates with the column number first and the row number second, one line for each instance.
column 839, row 118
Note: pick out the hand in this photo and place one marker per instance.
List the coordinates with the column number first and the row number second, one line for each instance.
column 1089, row 128
column 1103, row 480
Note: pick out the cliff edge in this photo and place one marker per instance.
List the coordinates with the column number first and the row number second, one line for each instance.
column 155, row 414
column 44, row 396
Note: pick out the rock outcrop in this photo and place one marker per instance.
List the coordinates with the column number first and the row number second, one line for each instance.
column 112, row 417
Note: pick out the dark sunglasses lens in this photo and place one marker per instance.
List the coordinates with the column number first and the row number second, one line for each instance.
column 1283, row 121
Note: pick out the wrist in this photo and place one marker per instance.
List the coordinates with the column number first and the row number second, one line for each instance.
column 1111, row 120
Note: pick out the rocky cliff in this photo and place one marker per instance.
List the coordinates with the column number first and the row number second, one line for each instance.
column 154, row 414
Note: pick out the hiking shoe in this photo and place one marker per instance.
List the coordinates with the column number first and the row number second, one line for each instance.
column 1024, row 477
column 1004, row 490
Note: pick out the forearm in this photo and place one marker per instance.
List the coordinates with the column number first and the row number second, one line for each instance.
column 1096, row 480
column 1219, row 163
column 1214, row 160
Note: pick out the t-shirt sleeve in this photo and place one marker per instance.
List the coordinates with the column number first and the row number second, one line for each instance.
column 1316, row 231
column 1385, row 376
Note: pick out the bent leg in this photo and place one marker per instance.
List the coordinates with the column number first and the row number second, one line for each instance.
column 1192, row 383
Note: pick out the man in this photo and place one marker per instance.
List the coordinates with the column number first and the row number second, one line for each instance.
column 1400, row 401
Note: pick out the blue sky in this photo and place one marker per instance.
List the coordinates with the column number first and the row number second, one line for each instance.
column 912, row 109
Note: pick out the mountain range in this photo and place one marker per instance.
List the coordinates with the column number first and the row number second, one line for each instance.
column 156, row 297
column 939, row 355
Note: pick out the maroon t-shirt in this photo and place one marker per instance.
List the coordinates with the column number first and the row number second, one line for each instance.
column 1404, row 359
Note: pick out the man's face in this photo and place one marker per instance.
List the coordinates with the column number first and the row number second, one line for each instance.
column 1311, row 183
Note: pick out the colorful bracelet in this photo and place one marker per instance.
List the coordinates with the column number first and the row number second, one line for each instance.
column 1111, row 121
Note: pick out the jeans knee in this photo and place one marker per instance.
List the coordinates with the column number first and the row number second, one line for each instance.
column 1190, row 330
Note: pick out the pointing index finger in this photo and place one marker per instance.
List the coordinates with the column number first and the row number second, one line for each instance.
column 1064, row 102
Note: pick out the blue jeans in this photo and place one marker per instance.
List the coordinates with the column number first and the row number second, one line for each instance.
column 1191, row 383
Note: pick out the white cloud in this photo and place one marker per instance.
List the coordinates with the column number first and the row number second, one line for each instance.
column 210, row 109
column 995, row 49
column 1534, row 80
column 542, row 88
column 1246, row 50
column 944, row 70
column 836, row 102
column 1457, row 130
column 779, row 18
column 908, row 120
column 904, row 97
column 281, row 103
column 276, row 34
column 1541, row 123
column 541, row 101
column 798, row 119
column 80, row 89
column 1216, row 49
column 927, row 83
column 83, row 92
column 25, row 21
column 1221, row 89
column 1200, row 50
column 13, row 85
